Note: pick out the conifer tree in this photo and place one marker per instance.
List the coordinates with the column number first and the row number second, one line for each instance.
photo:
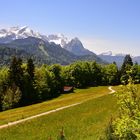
column 126, row 66
column 127, row 63
column 30, row 95
column 30, row 68
column 14, row 87
column 16, row 73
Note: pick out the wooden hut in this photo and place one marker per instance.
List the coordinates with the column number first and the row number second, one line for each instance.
column 68, row 89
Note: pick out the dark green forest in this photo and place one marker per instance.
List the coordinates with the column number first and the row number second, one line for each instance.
column 23, row 83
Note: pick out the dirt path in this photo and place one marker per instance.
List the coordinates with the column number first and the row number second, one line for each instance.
column 38, row 115
column 111, row 90
column 46, row 113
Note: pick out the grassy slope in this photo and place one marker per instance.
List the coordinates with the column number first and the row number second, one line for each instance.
column 86, row 121
column 63, row 100
column 83, row 122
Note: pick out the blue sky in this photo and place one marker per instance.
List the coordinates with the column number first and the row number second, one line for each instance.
column 101, row 25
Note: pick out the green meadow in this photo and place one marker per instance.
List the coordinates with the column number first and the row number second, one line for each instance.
column 86, row 121
column 65, row 99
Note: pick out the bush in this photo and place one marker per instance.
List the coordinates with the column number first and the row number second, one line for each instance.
column 127, row 125
column 11, row 98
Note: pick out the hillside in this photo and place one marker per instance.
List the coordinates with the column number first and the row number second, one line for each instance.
column 95, row 113
column 42, row 52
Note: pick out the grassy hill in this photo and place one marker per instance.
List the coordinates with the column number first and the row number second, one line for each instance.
column 86, row 121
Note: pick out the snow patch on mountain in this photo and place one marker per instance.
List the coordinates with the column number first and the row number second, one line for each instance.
column 75, row 45
column 110, row 53
column 13, row 33
column 18, row 33
column 107, row 53
column 59, row 39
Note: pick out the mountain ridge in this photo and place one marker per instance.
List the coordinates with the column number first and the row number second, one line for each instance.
column 42, row 52
column 74, row 45
column 118, row 58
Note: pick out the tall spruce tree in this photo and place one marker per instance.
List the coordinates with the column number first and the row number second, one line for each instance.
column 126, row 66
column 127, row 63
column 30, row 68
column 15, row 81
column 30, row 82
column 16, row 73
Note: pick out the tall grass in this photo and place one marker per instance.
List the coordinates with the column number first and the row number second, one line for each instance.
column 65, row 99
column 86, row 121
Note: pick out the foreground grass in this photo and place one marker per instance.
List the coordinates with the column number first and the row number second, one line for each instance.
column 65, row 99
column 86, row 121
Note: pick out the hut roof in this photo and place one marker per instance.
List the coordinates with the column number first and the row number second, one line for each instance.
column 68, row 88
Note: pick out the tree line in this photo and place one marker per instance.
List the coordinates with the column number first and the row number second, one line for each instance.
column 23, row 84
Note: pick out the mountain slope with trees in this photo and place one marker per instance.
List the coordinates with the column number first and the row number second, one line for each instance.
column 48, row 49
column 42, row 52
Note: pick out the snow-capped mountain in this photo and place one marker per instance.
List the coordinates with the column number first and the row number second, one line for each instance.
column 110, row 53
column 74, row 46
column 59, row 39
column 118, row 57
column 111, row 57
column 13, row 33
column 107, row 53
